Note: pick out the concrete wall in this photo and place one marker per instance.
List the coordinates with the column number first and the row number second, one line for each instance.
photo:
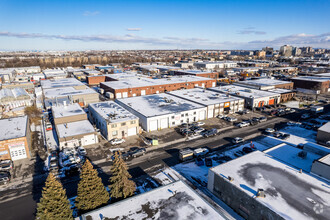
column 323, row 136
column 69, row 119
column 321, row 169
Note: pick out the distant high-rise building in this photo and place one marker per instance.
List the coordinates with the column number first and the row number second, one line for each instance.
column 286, row 51
column 307, row 50
column 296, row 51
column 268, row 50
column 260, row 53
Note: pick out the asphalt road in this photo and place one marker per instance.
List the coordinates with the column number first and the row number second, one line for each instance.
column 23, row 202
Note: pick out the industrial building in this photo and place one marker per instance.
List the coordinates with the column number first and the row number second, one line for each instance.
column 253, row 97
column 265, row 84
column 66, row 113
column 13, row 98
column 207, row 74
column 257, row 186
column 286, row 94
column 216, row 103
column 15, row 138
column 323, row 133
column 145, row 86
column 310, row 84
column 215, row 65
column 173, row 201
column 321, row 167
column 55, row 74
column 113, row 120
column 163, row 110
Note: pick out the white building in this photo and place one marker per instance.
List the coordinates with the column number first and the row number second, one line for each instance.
column 212, row 65
column 216, row 103
column 253, row 97
column 163, row 110
column 113, row 120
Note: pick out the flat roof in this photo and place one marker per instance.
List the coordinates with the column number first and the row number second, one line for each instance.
column 325, row 159
column 323, row 74
column 311, row 78
column 74, row 128
column 204, row 97
column 12, row 128
column 243, row 91
column 291, row 194
column 194, row 72
column 67, row 91
column 143, row 82
column 175, row 201
column 264, row 82
column 289, row 155
column 67, row 110
column 280, row 91
column 56, row 83
column 112, row 111
column 125, row 75
column 325, row 128
column 159, row 104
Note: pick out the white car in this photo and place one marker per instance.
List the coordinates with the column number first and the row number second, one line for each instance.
column 231, row 119
column 199, row 130
column 82, row 151
column 200, row 123
column 116, row 141
column 269, row 130
column 200, row 151
column 237, row 140
column 243, row 124
column 220, row 116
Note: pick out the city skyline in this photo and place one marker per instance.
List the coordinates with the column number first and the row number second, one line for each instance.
column 104, row 25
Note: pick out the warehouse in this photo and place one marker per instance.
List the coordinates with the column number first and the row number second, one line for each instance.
column 265, row 84
column 207, row 74
column 260, row 187
column 253, row 98
column 212, row 65
column 74, row 134
column 286, row 94
column 216, row 103
column 163, row 110
column 55, row 74
column 146, row 86
column 67, row 113
column 113, row 120
column 67, row 82
column 323, row 133
column 13, row 98
column 15, row 138
column 309, row 84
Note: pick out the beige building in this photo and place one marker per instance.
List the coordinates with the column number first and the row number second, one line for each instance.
column 68, row 113
column 113, row 120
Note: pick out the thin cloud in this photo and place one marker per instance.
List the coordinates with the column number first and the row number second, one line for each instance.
column 91, row 13
column 133, row 29
column 251, row 30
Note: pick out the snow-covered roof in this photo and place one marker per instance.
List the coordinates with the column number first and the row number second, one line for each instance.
column 264, row 82
column 74, row 128
column 15, row 92
column 175, row 201
column 66, row 82
column 204, row 97
column 243, row 91
column 325, row 128
column 125, row 75
column 325, row 159
column 67, row 91
column 193, row 72
column 312, row 78
column 68, row 110
column 280, row 91
column 11, row 128
column 159, row 104
column 143, row 82
column 112, row 111
column 291, row 194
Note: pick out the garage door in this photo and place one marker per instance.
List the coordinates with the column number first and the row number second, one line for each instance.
column 210, row 113
column 201, row 115
column 125, row 95
column 118, row 95
column 163, row 123
column 271, row 101
column 131, row 131
column 18, row 152
column 143, row 92
column 153, row 125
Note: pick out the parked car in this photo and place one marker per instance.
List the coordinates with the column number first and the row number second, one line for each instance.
column 269, row 130
column 199, row 161
column 124, row 155
column 4, row 177
column 116, row 141
column 231, row 119
column 237, row 140
column 262, row 119
column 243, row 124
column 208, row 162
column 199, row 123
column 81, row 150
column 199, row 130
column 208, row 133
column 137, row 151
column 247, row 150
column 305, row 116
column 220, row 116
column 277, row 134
column 6, row 165
column 255, row 119
column 202, row 151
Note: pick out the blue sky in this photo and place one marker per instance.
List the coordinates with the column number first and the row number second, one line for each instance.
column 222, row 24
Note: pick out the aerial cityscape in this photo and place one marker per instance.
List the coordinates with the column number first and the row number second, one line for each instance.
column 171, row 110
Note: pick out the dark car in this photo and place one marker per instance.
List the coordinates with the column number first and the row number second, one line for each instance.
column 255, row 119
column 124, row 155
column 262, row 119
column 136, row 151
column 72, row 171
column 210, row 132
column 285, row 136
column 6, row 165
column 199, row 161
column 208, row 162
column 247, row 150
column 4, row 177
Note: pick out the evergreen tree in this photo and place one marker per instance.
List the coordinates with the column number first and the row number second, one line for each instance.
column 91, row 191
column 53, row 203
column 121, row 185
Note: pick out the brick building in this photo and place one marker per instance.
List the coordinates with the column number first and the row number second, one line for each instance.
column 311, row 84
column 286, row 94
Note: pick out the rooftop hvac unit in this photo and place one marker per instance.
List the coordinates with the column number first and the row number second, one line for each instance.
column 231, row 179
column 302, row 154
column 261, row 193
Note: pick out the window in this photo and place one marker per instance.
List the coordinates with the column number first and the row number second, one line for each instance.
column 173, row 117
column 182, row 115
column 194, row 113
column 186, row 114
column 114, row 133
column 113, row 125
column 132, row 122
column 123, row 124
column 173, row 123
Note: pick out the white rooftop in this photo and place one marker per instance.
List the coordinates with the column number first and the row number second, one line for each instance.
column 243, row 91
column 175, row 201
column 66, row 82
column 193, row 72
column 312, row 78
column 15, row 93
column 68, row 110
column 125, row 75
column 74, row 128
column 143, row 82
column 291, row 194
column 11, row 128
column 325, row 128
column 325, row 159
column 204, row 97
column 112, row 111
column 66, row 91
column 264, row 82
column 279, row 91
column 159, row 104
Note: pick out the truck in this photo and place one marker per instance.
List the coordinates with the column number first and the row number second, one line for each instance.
column 186, row 154
column 109, row 95
column 202, row 151
column 317, row 109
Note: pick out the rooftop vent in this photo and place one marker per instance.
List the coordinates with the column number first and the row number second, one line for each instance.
column 231, row 179
column 261, row 193
column 302, row 154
